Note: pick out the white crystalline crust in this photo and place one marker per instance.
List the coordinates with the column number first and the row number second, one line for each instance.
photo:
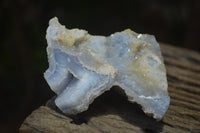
column 82, row 67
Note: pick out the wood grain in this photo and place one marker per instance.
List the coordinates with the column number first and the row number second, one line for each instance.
column 112, row 113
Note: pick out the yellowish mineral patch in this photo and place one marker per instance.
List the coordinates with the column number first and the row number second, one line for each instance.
column 143, row 71
column 78, row 34
column 63, row 35
column 66, row 38
column 128, row 31
column 137, row 46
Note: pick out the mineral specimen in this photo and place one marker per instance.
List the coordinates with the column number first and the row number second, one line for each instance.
column 82, row 67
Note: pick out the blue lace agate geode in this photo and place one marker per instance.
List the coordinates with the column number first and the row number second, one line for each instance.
column 82, row 67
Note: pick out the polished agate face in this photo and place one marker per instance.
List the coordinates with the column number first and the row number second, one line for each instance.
column 83, row 66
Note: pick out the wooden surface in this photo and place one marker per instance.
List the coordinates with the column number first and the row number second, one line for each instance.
column 112, row 113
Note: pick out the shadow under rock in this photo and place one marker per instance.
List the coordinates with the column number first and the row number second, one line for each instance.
column 115, row 102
